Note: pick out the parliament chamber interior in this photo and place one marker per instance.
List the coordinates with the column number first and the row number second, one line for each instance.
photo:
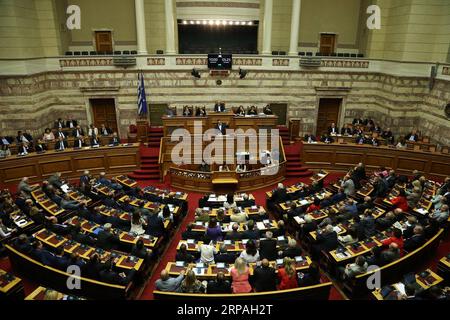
column 236, row 150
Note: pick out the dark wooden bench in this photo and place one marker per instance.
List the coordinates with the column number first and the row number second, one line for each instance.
column 316, row 292
column 57, row 279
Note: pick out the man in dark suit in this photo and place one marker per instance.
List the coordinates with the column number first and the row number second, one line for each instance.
column 79, row 236
column 357, row 121
column 24, row 137
column 23, row 149
column 70, row 123
column 309, row 138
column 326, row 240
column 78, row 142
column 332, row 130
column 368, row 224
column 412, row 136
column 339, row 196
column 224, row 256
column 104, row 130
column 189, row 234
column 60, row 134
column 292, row 251
column 387, row 134
column 4, row 140
column 380, row 188
column 106, row 240
column 219, row 107
column 60, row 261
column 268, row 247
column 280, row 194
column 114, row 139
column 222, row 127
column 110, row 275
column 347, row 130
column 94, row 141
column 250, row 233
column 59, row 123
column 219, row 286
column 264, row 277
column 42, row 255
column 155, row 225
column 416, row 240
column 40, row 146
column 234, row 235
column 327, row 139
column 61, row 144
column 77, row 132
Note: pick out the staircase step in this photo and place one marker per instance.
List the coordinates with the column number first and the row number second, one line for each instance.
column 140, row 177
column 146, row 171
column 299, row 174
column 149, row 166
column 296, row 169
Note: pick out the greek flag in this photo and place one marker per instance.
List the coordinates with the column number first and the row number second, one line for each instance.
column 142, row 100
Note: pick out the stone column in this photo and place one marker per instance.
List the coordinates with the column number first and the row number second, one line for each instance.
column 170, row 27
column 140, row 27
column 267, row 27
column 295, row 24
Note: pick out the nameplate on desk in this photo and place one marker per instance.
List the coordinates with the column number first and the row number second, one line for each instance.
column 220, row 265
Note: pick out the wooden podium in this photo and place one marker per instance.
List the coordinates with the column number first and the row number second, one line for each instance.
column 224, row 181
column 142, row 130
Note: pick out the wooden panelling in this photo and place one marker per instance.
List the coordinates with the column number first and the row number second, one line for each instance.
column 342, row 157
column 112, row 160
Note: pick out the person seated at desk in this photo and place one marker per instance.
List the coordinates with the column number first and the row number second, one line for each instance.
column 77, row 132
column 184, row 255
column 40, row 146
column 357, row 121
column 252, row 111
column 59, row 124
column 167, row 283
column 238, row 216
column 400, row 201
column 222, row 127
column 387, row 134
column 374, row 142
column 23, row 149
column 309, row 138
column 440, row 215
column 78, row 142
column 61, row 144
column 375, row 128
column 240, row 111
column 110, row 275
column 5, row 231
column 357, row 131
column 94, row 141
column 93, row 130
column 106, row 239
column 105, row 131
column 268, row 110
column 220, row 285
column 40, row 254
column 115, row 141
column 55, row 180
column 333, row 130
column 234, row 234
column 5, row 151
column 204, row 167
column 191, row 284
column 170, row 111
column 71, row 123
column 358, row 267
column 200, row 112
column 187, row 111
column 360, row 139
column 327, row 139
column 347, row 130
column 60, row 134
column 412, row 136
column 24, row 137
column 401, row 144
column 6, row 140
column 219, row 107
column 48, row 135
column 293, row 250
column 389, row 255
column 241, row 168
column 223, row 168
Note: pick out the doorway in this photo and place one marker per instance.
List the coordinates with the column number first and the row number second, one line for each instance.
column 104, row 112
column 280, row 110
column 327, row 43
column 328, row 113
column 156, row 112
column 103, row 41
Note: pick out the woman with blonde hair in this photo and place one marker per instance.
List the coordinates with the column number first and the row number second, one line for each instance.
column 240, row 274
column 51, row 294
column 190, row 284
column 287, row 275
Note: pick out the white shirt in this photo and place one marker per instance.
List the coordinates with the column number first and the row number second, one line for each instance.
column 207, row 253
column 95, row 131
column 248, row 258
column 61, row 134
column 137, row 228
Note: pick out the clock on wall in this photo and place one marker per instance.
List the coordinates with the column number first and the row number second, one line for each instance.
column 447, row 110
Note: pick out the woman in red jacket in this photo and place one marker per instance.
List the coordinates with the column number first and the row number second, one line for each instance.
column 314, row 206
column 287, row 275
column 400, row 201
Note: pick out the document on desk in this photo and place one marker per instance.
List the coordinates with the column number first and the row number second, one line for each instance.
column 337, row 229
column 303, row 202
column 400, row 287
column 260, row 225
column 299, row 220
column 422, row 211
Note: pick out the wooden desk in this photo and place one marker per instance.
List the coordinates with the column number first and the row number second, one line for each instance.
column 339, row 157
column 11, row 287
column 71, row 163
column 39, row 294
column 210, row 121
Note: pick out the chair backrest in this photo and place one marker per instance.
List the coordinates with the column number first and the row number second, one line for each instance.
column 444, row 149
column 426, row 139
column 133, row 128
